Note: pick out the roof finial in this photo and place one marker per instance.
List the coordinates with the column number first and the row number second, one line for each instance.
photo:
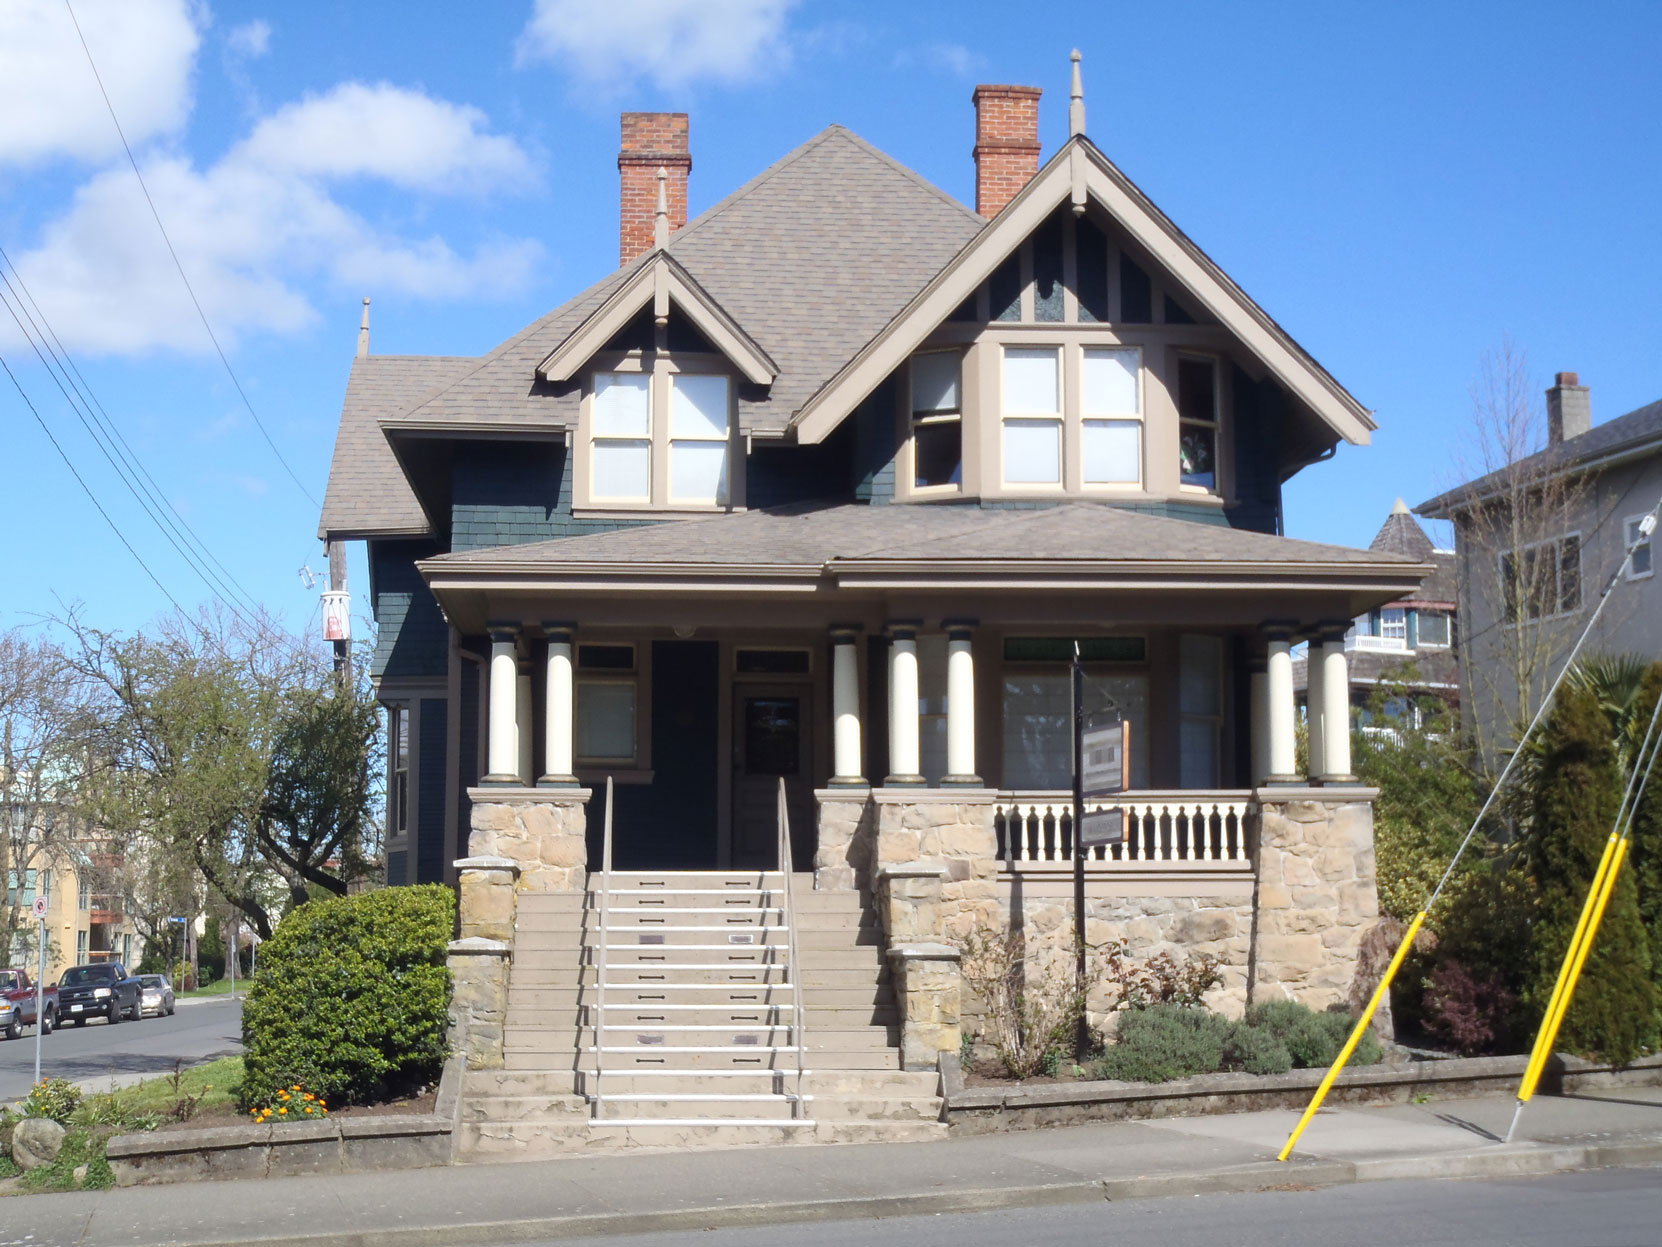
column 660, row 222
column 363, row 333
column 1076, row 101
column 1401, row 508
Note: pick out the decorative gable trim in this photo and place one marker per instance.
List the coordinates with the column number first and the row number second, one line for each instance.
column 659, row 282
column 1077, row 172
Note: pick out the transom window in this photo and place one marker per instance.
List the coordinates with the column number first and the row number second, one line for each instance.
column 660, row 438
column 1084, row 402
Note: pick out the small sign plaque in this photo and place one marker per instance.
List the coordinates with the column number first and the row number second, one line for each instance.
column 40, row 907
column 1102, row 827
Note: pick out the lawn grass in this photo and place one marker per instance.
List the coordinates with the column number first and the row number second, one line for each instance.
column 216, row 1083
column 219, row 987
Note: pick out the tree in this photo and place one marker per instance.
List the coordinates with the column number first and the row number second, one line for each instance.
column 1577, row 790
column 1645, row 853
column 240, row 754
column 1520, row 591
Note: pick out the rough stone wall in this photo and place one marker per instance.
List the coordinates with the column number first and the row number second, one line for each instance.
column 956, row 835
column 842, row 857
column 1317, row 895
column 545, row 837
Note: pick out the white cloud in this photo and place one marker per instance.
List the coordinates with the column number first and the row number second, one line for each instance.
column 252, row 228
column 953, row 58
column 251, row 40
column 50, row 106
column 386, row 132
column 610, row 44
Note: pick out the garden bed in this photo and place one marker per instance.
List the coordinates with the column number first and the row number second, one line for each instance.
column 993, row 1107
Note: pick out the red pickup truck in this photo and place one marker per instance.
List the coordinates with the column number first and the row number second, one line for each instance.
column 17, row 1004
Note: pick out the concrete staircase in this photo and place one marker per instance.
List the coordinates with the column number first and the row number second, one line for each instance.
column 696, row 1038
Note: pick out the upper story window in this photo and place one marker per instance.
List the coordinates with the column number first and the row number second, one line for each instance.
column 1393, row 623
column 1197, row 411
column 1071, row 414
column 1433, row 629
column 1541, row 580
column 937, row 420
column 660, row 438
column 1634, row 535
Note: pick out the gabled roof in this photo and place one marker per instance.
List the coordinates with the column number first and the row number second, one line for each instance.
column 660, row 282
column 811, row 258
column 1077, row 173
column 1637, row 433
column 368, row 494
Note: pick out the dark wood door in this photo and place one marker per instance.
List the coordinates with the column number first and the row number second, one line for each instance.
column 773, row 740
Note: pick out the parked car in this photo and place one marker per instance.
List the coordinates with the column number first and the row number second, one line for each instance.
column 103, row 989
column 155, row 995
column 17, row 1004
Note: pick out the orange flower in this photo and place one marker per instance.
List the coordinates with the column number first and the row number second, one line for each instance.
column 281, row 1111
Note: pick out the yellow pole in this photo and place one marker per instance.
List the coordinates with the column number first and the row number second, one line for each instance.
column 1561, row 1004
column 1544, row 1037
column 1356, row 1033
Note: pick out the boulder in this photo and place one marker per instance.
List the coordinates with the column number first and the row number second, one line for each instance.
column 36, row 1142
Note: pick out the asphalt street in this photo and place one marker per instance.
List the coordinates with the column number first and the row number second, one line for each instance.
column 198, row 1031
column 1603, row 1208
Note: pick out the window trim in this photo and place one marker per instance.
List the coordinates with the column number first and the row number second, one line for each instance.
column 662, row 368
column 1070, row 346
column 1420, row 616
column 1523, row 616
column 1649, row 545
column 1140, row 417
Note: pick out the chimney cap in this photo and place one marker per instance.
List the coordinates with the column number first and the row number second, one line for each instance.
column 1567, row 378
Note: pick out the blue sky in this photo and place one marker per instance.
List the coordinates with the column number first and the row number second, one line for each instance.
column 1399, row 185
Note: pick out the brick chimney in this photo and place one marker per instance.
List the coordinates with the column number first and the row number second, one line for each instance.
column 1569, row 409
column 1006, row 143
column 651, row 141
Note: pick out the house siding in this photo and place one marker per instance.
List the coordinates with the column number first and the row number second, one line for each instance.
column 411, row 637
column 1256, row 437
column 429, row 797
column 510, row 493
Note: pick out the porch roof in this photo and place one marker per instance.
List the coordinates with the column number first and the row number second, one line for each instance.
column 1083, row 544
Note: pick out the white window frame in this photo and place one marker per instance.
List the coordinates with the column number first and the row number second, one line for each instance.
column 1071, row 418
column 1420, row 616
column 612, row 677
column 661, row 369
column 1630, row 534
column 1101, row 417
column 1058, row 418
column 1524, row 614
column 914, row 418
column 1396, row 628
column 1216, row 489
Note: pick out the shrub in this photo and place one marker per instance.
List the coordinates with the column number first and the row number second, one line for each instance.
column 1032, row 1011
column 1160, row 980
column 1313, row 1039
column 57, row 1098
column 1164, row 1042
column 351, row 998
column 1255, row 1050
column 1467, row 1011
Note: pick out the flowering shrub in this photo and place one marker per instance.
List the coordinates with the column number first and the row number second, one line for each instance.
column 56, row 1098
column 290, row 1104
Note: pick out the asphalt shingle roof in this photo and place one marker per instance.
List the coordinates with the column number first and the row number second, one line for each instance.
column 367, row 491
column 1402, row 534
column 814, row 537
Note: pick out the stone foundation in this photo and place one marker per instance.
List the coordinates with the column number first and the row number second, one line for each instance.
column 479, row 999
column 542, row 830
column 947, row 828
column 843, row 853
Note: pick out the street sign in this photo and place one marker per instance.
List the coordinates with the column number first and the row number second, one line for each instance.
column 1102, row 827
column 40, row 907
column 1103, row 754
column 178, row 919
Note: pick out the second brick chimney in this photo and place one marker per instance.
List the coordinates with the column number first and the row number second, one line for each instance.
column 1569, row 408
column 1006, row 143
column 651, row 141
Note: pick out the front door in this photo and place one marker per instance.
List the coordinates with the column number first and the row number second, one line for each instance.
column 772, row 731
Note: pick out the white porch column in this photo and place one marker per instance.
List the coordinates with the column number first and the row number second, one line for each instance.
column 559, row 710
column 903, row 705
column 502, row 747
column 1283, row 755
column 1315, row 706
column 846, row 762
column 1259, row 698
column 1336, row 708
column 960, row 703
column 524, row 735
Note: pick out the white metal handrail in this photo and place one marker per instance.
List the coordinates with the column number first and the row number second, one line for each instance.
column 599, row 1022
column 799, row 1039
column 1184, row 829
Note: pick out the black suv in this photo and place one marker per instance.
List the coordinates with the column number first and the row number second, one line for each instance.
column 104, row 989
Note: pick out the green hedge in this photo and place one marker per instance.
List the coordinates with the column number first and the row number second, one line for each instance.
column 351, row 998
column 1164, row 1042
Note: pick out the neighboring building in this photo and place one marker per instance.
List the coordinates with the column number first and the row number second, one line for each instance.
column 1523, row 602
column 1409, row 646
column 820, row 491
column 85, row 921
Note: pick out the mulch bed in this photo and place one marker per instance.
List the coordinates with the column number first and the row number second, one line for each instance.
column 225, row 1115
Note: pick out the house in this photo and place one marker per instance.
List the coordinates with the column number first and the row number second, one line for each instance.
column 1528, row 586
column 819, row 494
column 85, row 920
column 1407, row 649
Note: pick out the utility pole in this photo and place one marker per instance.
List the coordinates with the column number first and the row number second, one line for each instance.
column 337, row 628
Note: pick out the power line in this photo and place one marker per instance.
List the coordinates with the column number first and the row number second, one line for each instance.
column 114, row 447
column 176, row 264
column 114, row 528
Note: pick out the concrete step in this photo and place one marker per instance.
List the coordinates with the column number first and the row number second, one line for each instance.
column 878, row 1132
column 684, row 975
column 481, row 1142
column 874, row 1107
column 715, row 1106
column 870, row 1038
column 705, row 952
column 693, row 1014
column 818, row 1081
column 647, row 1059
column 527, row 1108
column 738, row 1132
column 538, row 1082
column 550, row 902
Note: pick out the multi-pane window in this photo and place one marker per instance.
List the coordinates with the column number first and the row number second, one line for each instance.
column 80, row 946
column 1197, row 410
column 1111, row 409
column 1393, row 623
column 1200, row 709
column 1032, row 412
column 1541, row 580
column 937, row 420
column 660, row 439
column 1433, row 629
column 84, row 897
column 606, row 688
column 1639, row 540
column 398, row 748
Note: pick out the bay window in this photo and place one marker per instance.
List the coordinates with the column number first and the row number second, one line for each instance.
column 1072, row 414
column 1110, row 385
column 659, row 438
column 1032, row 410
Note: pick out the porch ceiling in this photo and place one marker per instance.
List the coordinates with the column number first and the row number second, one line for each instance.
column 843, row 554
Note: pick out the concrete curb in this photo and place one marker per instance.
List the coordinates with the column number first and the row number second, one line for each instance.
column 1513, row 1161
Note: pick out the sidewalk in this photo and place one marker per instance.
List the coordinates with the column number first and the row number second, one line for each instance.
column 639, row 1192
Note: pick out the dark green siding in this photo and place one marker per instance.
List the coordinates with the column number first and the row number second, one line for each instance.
column 509, row 493
column 430, row 838
column 1257, row 439
column 411, row 638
